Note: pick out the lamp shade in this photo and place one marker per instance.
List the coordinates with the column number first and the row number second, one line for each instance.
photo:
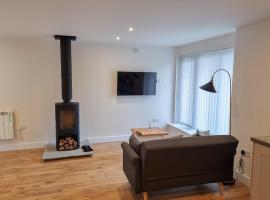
column 209, row 87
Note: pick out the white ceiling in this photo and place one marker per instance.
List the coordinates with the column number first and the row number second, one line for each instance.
column 156, row 22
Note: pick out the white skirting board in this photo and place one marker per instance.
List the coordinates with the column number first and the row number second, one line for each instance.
column 242, row 178
column 117, row 138
column 43, row 144
column 22, row 146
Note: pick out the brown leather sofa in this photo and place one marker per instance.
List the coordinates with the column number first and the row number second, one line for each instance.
column 176, row 162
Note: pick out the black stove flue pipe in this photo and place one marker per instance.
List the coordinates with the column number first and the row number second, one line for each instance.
column 66, row 66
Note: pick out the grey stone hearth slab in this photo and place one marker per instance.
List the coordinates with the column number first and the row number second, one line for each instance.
column 51, row 153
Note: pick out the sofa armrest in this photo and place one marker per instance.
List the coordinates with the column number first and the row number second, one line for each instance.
column 132, row 167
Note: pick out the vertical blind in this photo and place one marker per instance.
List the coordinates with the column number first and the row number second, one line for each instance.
column 195, row 107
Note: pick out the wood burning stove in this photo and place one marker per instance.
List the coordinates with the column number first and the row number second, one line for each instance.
column 67, row 126
column 66, row 112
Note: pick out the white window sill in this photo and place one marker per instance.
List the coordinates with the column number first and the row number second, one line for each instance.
column 182, row 128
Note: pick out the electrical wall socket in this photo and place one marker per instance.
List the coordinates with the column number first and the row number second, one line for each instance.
column 22, row 128
column 156, row 120
column 246, row 153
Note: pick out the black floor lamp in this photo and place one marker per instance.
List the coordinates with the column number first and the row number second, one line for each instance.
column 209, row 87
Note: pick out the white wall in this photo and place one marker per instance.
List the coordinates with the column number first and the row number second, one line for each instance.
column 221, row 42
column 251, row 93
column 30, row 84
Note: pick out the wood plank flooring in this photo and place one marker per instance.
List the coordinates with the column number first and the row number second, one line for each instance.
column 24, row 176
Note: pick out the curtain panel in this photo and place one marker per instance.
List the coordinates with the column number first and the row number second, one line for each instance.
column 195, row 107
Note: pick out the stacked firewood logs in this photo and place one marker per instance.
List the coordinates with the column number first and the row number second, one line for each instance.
column 67, row 143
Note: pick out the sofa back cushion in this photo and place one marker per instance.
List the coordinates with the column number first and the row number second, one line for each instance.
column 170, row 158
column 136, row 141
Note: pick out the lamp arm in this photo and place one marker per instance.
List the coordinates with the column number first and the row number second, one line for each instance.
column 230, row 128
column 224, row 71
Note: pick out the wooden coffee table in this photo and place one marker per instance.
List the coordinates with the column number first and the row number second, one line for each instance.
column 147, row 134
column 149, row 131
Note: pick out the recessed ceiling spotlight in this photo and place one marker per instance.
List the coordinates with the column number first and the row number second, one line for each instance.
column 117, row 38
column 130, row 29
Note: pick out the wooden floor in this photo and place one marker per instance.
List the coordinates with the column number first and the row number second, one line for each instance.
column 23, row 175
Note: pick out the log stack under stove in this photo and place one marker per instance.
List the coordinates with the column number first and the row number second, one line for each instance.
column 67, row 143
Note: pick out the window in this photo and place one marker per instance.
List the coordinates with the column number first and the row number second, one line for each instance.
column 197, row 108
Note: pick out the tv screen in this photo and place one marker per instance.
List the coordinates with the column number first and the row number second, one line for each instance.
column 136, row 83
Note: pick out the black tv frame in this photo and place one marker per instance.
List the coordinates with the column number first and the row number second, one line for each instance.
column 139, row 91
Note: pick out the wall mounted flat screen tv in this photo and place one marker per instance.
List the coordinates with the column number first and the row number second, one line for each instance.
column 136, row 83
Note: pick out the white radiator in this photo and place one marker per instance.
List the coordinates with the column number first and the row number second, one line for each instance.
column 6, row 125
